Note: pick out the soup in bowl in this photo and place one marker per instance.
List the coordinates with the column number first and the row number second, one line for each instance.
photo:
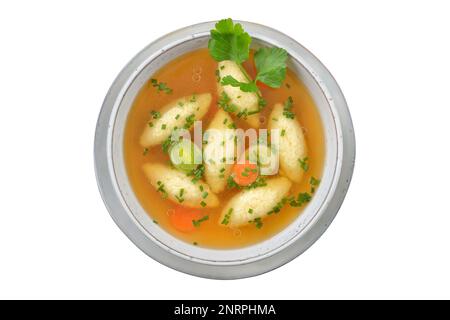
column 224, row 149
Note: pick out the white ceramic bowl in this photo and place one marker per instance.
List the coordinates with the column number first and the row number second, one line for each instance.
column 126, row 210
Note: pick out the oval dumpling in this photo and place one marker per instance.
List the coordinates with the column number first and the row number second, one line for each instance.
column 244, row 101
column 178, row 187
column 219, row 151
column 175, row 114
column 292, row 145
column 251, row 204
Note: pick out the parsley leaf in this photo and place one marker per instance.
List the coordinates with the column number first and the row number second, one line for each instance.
column 244, row 86
column 271, row 66
column 229, row 41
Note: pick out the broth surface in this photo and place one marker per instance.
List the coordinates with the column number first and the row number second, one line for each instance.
column 191, row 73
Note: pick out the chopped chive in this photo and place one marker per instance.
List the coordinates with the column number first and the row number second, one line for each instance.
column 160, row 86
column 226, row 218
column 304, row 163
column 155, row 114
column 197, row 223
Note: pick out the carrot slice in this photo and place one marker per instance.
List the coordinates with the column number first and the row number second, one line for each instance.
column 245, row 174
column 181, row 218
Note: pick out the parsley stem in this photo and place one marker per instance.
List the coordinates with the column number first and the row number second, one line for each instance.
column 247, row 76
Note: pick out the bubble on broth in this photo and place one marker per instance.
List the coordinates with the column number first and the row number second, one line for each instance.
column 237, row 232
column 197, row 69
column 262, row 119
column 196, row 77
column 197, row 73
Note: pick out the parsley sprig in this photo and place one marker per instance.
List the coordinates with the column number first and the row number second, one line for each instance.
column 229, row 41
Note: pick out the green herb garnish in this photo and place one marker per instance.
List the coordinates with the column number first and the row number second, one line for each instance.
column 179, row 197
column 278, row 206
column 189, row 121
column 258, row 223
column 167, row 144
column 160, row 86
column 287, row 108
column 304, row 164
column 244, row 86
column 197, row 223
column 313, row 182
column 197, row 173
column 155, row 114
column 229, row 41
column 259, row 182
column 226, row 218
column 302, row 198
column 162, row 189
column 225, row 103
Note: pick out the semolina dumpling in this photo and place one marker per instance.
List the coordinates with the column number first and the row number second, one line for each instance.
column 219, row 146
column 251, row 204
column 178, row 187
column 292, row 146
column 174, row 115
column 244, row 101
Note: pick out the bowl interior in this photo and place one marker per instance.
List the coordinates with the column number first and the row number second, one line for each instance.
column 166, row 241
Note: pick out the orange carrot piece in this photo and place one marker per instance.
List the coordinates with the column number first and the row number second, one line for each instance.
column 245, row 174
column 181, row 218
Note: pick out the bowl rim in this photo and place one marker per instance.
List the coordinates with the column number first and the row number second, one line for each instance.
column 118, row 209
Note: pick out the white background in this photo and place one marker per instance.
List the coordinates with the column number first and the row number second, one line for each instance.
column 391, row 238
